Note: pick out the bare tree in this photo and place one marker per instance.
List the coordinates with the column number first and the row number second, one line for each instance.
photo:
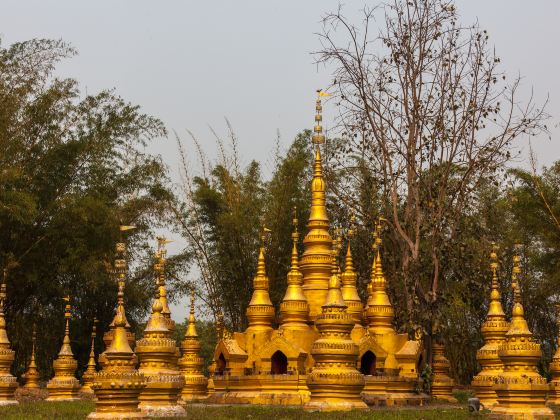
column 425, row 106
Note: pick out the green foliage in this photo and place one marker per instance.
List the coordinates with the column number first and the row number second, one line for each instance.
column 72, row 169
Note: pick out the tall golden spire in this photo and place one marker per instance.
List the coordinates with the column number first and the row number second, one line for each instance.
column 349, row 290
column 157, row 354
column 196, row 384
column 315, row 262
column 494, row 331
column 380, row 312
column 334, row 381
column 8, row 384
column 87, row 377
column 191, row 327
column 118, row 385
column 260, row 311
column 64, row 386
column 160, row 276
column 520, row 389
column 31, row 375
column 294, row 308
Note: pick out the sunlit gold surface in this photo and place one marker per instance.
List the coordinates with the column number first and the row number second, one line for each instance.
column 158, row 356
column 521, row 390
column 494, row 331
column 334, row 381
column 271, row 366
column 64, row 386
column 118, row 384
column 8, row 383
column 190, row 364
column 87, row 377
column 31, row 375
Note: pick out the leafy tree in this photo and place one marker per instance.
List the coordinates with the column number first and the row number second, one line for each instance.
column 72, row 169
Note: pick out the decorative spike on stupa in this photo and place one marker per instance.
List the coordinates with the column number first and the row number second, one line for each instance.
column 554, row 394
column 87, row 377
column 334, row 382
column 260, row 311
column 157, row 354
column 494, row 331
column 315, row 262
column 8, row 383
column 64, row 386
column 349, row 290
column 294, row 308
column 196, row 384
column 380, row 312
column 119, row 272
column 520, row 389
column 160, row 279
column 31, row 375
column 118, row 385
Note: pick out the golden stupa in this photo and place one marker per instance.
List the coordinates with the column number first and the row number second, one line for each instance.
column 8, row 382
column 31, row 375
column 389, row 360
column 264, row 365
column 190, row 364
column 334, row 382
column 158, row 354
column 87, row 377
column 520, row 389
column 554, row 394
column 442, row 383
column 64, row 386
column 494, row 331
column 118, row 385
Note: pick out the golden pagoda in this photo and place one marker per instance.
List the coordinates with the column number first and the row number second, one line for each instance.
column 334, row 382
column 64, row 386
column 158, row 355
column 388, row 360
column 8, row 382
column 108, row 336
column 87, row 377
column 554, row 394
column 521, row 390
column 264, row 365
column 196, row 384
column 31, row 375
column 494, row 331
column 442, row 383
column 118, row 385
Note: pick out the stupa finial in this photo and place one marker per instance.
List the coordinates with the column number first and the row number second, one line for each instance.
column 191, row 327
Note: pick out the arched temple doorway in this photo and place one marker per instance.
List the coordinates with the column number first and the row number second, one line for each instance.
column 367, row 363
column 221, row 364
column 278, row 363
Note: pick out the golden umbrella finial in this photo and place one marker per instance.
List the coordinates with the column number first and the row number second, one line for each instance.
column 515, row 273
column 318, row 136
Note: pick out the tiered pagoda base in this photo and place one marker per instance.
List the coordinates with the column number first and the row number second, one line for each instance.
column 484, row 389
column 521, row 401
column 260, row 389
column 554, row 394
column 8, row 386
column 63, row 389
column 160, row 397
column 392, row 390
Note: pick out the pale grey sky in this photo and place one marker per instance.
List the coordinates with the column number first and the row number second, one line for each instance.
column 194, row 63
